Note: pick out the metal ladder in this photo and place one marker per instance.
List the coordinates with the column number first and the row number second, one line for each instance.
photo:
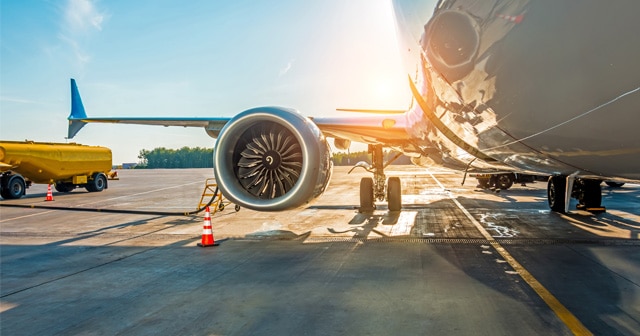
column 211, row 191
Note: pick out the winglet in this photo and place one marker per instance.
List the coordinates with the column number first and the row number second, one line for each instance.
column 77, row 115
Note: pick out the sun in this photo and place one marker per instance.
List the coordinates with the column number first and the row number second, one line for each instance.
column 383, row 89
column 387, row 92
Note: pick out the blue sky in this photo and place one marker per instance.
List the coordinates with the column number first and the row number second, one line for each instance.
column 189, row 58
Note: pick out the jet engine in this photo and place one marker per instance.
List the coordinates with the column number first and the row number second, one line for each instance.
column 271, row 159
column 451, row 43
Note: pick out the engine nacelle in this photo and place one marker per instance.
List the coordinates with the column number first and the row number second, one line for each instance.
column 271, row 159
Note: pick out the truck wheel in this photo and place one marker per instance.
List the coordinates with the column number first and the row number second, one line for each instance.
column 99, row 183
column 64, row 187
column 483, row 182
column 14, row 187
column 505, row 181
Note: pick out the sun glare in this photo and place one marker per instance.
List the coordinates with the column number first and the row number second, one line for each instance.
column 387, row 92
column 382, row 89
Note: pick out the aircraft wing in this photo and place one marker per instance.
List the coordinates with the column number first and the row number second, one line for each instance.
column 209, row 124
column 387, row 129
column 78, row 118
column 376, row 127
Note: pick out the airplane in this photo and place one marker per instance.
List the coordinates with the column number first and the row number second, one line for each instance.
column 534, row 87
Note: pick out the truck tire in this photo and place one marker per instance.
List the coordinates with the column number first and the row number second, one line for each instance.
column 64, row 187
column 13, row 186
column 505, row 181
column 483, row 182
column 98, row 183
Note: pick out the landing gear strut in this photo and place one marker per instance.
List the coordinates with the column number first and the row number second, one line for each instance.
column 378, row 188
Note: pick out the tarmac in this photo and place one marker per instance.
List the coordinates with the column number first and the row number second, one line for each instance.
column 457, row 260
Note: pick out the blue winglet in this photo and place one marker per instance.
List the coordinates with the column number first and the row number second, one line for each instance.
column 77, row 111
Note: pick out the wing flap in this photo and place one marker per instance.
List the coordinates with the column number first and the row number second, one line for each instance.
column 372, row 129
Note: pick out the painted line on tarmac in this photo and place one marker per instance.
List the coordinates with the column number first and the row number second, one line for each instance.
column 572, row 322
column 25, row 216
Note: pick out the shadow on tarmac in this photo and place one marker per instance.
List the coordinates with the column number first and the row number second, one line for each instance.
column 261, row 286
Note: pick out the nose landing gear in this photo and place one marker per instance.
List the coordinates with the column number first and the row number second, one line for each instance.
column 378, row 187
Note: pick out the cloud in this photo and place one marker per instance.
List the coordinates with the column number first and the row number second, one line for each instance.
column 80, row 18
column 18, row 100
column 81, row 56
column 286, row 69
column 81, row 15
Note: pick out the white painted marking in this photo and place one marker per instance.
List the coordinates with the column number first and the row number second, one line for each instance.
column 404, row 224
column 26, row 216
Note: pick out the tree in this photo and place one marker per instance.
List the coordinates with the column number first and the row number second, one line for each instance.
column 184, row 157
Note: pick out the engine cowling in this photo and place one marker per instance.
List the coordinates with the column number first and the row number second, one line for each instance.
column 271, row 159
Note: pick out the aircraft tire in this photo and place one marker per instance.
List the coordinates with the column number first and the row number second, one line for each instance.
column 366, row 194
column 556, row 187
column 394, row 194
column 592, row 194
column 613, row 184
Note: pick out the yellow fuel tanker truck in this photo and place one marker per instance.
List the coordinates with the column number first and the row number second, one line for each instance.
column 66, row 165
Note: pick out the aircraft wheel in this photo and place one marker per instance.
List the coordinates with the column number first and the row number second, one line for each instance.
column 366, row 194
column 556, row 187
column 394, row 194
column 592, row 194
column 613, row 184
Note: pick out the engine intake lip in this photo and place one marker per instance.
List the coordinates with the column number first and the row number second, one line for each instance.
column 452, row 40
column 226, row 157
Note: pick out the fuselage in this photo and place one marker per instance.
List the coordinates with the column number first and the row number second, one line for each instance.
column 549, row 87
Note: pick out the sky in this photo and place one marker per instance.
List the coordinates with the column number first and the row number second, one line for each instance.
column 189, row 58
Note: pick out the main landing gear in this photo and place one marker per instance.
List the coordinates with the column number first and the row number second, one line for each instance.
column 372, row 189
column 586, row 191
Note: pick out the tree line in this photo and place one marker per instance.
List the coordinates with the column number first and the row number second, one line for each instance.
column 188, row 157
column 185, row 157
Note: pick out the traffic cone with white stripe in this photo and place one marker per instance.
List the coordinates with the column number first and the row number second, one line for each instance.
column 207, row 233
column 49, row 194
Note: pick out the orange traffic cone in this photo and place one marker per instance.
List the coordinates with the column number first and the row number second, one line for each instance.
column 49, row 194
column 207, row 233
